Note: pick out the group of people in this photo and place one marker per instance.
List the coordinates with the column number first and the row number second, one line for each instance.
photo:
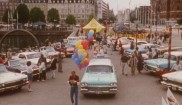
column 43, row 68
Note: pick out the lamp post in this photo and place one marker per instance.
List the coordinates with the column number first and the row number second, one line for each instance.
column 136, row 23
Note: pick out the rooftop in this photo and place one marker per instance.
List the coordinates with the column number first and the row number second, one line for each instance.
column 100, row 61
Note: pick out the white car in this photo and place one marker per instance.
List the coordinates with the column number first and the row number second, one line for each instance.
column 10, row 80
column 173, row 80
column 50, row 51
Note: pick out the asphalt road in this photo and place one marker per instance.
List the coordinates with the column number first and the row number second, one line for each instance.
column 141, row 89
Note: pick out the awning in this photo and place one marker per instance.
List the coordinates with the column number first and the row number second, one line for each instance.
column 93, row 24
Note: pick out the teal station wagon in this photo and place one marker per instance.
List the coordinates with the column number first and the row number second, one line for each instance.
column 160, row 66
column 99, row 77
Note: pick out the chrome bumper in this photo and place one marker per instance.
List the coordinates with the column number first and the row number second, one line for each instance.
column 99, row 91
column 2, row 89
column 173, row 86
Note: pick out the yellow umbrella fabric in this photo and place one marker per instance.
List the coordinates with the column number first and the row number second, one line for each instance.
column 93, row 24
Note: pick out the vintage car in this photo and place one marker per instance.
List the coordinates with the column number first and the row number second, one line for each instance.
column 69, row 50
column 162, row 50
column 30, row 56
column 51, row 51
column 10, row 80
column 99, row 78
column 19, row 66
column 173, row 80
column 160, row 66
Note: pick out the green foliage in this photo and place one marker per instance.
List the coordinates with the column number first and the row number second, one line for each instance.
column 5, row 16
column 23, row 13
column 112, row 19
column 36, row 14
column 179, row 21
column 70, row 19
column 53, row 16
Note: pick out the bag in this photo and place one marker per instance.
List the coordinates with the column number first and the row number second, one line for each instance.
column 124, row 58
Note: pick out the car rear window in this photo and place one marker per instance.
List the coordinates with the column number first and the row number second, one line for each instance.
column 99, row 68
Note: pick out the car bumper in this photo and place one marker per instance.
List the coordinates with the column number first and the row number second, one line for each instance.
column 173, row 86
column 2, row 89
column 98, row 91
column 69, row 53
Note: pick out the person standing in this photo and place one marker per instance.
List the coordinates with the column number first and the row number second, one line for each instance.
column 30, row 76
column 155, row 54
column 42, row 69
column 53, row 66
column 177, row 66
column 140, row 62
column 9, row 54
column 132, row 64
column 60, row 63
column 74, row 81
column 123, row 62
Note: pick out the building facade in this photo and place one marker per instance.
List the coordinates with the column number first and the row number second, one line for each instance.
column 7, row 4
column 102, row 10
column 143, row 15
column 166, row 11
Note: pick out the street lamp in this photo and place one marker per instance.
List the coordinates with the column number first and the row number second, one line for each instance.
column 136, row 23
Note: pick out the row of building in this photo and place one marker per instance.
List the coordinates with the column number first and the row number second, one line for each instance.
column 81, row 9
column 163, row 12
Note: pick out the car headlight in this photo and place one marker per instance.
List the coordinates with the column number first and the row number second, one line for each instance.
column 84, row 84
column 113, row 84
column 164, row 78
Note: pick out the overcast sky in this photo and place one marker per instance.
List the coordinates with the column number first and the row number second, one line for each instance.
column 123, row 4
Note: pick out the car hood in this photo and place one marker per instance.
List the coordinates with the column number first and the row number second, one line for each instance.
column 11, row 77
column 99, row 78
column 20, row 67
column 160, row 63
column 174, row 76
column 34, row 61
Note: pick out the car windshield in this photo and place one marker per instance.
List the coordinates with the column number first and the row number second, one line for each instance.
column 14, row 63
column 50, row 49
column 3, row 69
column 32, row 56
column 99, row 68
column 172, row 57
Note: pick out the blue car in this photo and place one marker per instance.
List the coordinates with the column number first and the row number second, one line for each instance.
column 99, row 78
column 160, row 66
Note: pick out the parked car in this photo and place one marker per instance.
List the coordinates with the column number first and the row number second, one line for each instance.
column 51, row 51
column 162, row 50
column 99, row 78
column 160, row 66
column 10, row 80
column 69, row 50
column 19, row 66
column 173, row 80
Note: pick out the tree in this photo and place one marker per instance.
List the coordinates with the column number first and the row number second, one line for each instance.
column 5, row 16
column 23, row 13
column 70, row 19
column 36, row 14
column 112, row 19
column 179, row 21
column 53, row 16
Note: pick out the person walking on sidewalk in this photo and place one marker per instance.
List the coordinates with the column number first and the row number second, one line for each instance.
column 30, row 76
column 42, row 68
column 74, row 82
column 132, row 64
column 123, row 62
column 140, row 62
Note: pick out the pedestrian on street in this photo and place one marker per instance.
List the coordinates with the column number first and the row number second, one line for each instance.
column 9, row 53
column 132, row 64
column 177, row 66
column 149, row 53
column 42, row 69
column 60, row 63
column 30, row 76
column 74, row 82
column 53, row 66
column 132, row 45
column 140, row 62
column 123, row 62
column 155, row 54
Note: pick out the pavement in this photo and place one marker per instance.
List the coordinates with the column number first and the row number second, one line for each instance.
column 141, row 89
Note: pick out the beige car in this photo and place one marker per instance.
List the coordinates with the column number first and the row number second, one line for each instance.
column 10, row 80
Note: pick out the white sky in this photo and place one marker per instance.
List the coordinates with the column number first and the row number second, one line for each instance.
column 123, row 4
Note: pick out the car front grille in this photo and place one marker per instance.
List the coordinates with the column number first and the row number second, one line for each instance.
column 149, row 67
column 13, row 83
column 173, row 82
column 98, row 88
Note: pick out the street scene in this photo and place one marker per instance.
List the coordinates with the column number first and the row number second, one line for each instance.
column 90, row 52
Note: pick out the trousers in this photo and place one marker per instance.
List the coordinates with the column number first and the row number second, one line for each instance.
column 74, row 94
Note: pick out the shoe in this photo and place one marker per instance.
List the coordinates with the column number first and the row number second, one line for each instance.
column 30, row 90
